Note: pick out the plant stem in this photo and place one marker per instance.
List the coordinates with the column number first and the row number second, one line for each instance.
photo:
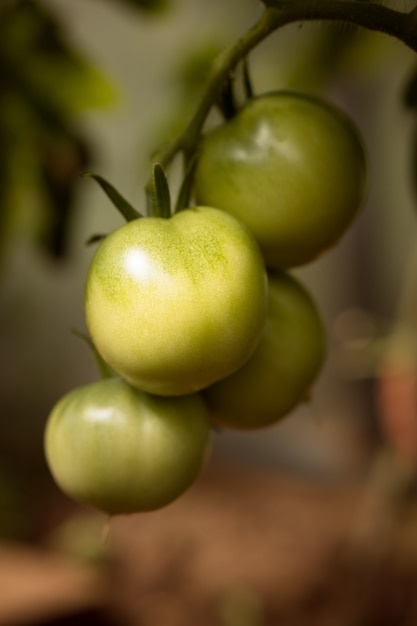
column 220, row 71
column 223, row 65
column 402, row 26
column 278, row 13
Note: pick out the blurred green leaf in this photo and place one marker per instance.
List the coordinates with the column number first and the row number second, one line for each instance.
column 36, row 57
column 193, row 72
column 63, row 157
column 44, row 83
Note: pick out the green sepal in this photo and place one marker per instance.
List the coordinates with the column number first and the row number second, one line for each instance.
column 183, row 199
column 122, row 205
column 105, row 370
column 161, row 194
column 95, row 239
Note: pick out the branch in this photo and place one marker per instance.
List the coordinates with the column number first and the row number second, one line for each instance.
column 279, row 13
column 402, row 26
column 223, row 65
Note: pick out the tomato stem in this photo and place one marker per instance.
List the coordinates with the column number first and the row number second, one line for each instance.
column 367, row 14
column 187, row 141
column 279, row 13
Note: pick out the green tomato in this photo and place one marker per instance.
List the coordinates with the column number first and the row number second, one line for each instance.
column 292, row 168
column 284, row 366
column 120, row 450
column 173, row 305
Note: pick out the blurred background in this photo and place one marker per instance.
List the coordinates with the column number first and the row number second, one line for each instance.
column 98, row 85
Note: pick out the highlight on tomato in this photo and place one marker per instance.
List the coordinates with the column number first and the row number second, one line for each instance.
column 173, row 305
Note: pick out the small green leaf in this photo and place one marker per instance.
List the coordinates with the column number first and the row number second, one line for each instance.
column 95, row 239
column 162, row 197
column 122, row 205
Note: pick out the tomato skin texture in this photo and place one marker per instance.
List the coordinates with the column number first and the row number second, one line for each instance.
column 173, row 305
column 292, row 168
column 120, row 450
column 284, row 366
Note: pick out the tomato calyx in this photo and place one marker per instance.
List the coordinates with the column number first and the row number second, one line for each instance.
column 160, row 199
column 119, row 202
column 161, row 196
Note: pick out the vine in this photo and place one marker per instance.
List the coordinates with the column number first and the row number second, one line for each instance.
column 202, row 306
column 277, row 14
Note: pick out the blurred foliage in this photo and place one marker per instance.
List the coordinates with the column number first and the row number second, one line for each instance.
column 44, row 84
column 194, row 69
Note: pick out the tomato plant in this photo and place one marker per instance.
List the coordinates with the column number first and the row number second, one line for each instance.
column 284, row 366
column 175, row 304
column 120, row 450
column 289, row 166
column 181, row 303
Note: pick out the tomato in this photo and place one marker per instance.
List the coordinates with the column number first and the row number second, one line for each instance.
column 284, row 366
column 289, row 166
column 176, row 304
column 120, row 450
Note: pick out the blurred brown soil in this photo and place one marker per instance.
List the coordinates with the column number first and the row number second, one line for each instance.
column 242, row 547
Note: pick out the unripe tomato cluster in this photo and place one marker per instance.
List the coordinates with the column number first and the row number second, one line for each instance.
column 197, row 314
